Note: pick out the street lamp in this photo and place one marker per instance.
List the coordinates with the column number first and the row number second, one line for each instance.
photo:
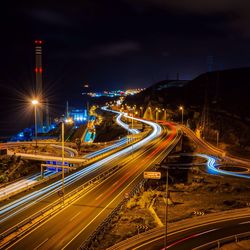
column 66, row 121
column 157, row 114
column 217, row 138
column 182, row 110
column 132, row 136
column 35, row 103
column 63, row 159
column 141, row 109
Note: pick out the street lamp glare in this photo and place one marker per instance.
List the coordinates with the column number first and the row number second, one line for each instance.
column 181, row 108
column 34, row 102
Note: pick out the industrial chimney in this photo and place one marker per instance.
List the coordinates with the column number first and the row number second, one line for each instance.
column 39, row 84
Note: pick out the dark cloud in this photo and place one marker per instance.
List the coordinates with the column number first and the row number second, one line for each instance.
column 119, row 44
column 49, row 17
column 236, row 14
column 117, row 49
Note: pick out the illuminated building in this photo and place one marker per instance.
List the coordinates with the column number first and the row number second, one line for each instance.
column 79, row 115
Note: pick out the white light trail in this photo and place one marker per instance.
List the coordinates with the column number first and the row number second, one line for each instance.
column 30, row 199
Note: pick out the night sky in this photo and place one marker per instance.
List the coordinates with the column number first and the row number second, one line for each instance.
column 113, row 44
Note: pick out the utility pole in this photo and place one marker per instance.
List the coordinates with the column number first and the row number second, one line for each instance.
column 182, row 110
column 63, row 160
column 132, row 136
column 166, row 212
column 67, row 110
column 167, row 196
column 217, row 138
column 35, row 103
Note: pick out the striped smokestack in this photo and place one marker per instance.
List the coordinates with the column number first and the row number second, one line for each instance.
column 39, row 84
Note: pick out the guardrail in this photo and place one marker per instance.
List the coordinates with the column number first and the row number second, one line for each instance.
column 85, row 162
column 215, row 149
column 17, row 231
column 219, row 243
column 87, row 244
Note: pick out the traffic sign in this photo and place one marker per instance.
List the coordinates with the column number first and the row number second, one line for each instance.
column 152, row 175
column 59, row 163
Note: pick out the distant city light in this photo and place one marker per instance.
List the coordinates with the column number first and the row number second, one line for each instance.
column 114, row 93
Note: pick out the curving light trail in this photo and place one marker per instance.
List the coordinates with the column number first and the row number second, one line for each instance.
column 121, row 142
column 29, row 181
column 212, row 167
column 23, row 183
column 32, row 198
column 126, row 126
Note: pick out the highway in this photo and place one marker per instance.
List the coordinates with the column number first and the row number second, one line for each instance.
column 30, row 181
column 214, row 231
column 210, row 149
column 213, row 168
column 187, row 237
column 22, row 204
column 7, row 190
column 75, row 223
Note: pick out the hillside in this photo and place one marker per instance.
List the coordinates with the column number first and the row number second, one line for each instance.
column 226, row 90
column 226, row 94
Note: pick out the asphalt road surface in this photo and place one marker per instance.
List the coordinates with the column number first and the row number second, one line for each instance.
column 69, row 228
column 188, row 239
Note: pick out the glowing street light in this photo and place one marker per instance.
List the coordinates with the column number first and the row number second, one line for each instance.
column 141, row 111
column 157, row 114
column 69, row 121
column 182, row 110
column 35, row 103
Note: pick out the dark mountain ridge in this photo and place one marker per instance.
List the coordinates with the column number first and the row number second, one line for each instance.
column 225, row 95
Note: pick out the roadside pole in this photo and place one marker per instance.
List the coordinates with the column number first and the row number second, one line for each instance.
column 166, row 212
column 63, row 160
column 132, row 133
column 157, row 176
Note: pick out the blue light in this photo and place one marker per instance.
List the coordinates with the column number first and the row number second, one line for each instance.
column 21, row 134
column 212, row 167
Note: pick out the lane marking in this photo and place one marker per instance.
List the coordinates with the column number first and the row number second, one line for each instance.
column 208, row 231
column 67, row 244
column 99, row 196
column 74, row 216
column 156, row 151
column 145, row 243
column 244, row 222
column 41, row 243
column 114, row 183
column 50, row 218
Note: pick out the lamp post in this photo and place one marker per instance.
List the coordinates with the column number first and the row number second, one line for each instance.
column 157, row 114
column 166, row 212
column 35, row 103
column 182, row 110
column 63, row 160
column 132, row 127
column 164, row 114
column 141, row 112
column 66, row 121
column 217, row 138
